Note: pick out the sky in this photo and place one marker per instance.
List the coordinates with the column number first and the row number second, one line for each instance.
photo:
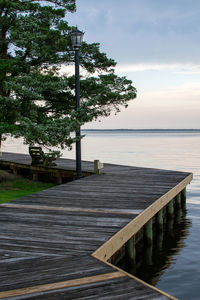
column 156, row 44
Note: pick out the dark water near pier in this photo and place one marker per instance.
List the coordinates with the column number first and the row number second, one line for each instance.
column 176, row 268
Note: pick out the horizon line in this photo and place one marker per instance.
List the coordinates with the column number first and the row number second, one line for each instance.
column 96, row 129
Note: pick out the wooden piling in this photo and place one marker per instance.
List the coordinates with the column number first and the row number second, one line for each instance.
column 59, row 179
column 15, row 171
column 35, row 176
column 130, row 249
column 178, row 209
column 97, row 166
column 149, row 255
column 148, row 232
column 159, row 220
column 183, row 199
column 170, row 226
column 159, row 240
column 170, row 209
column 178, row 201
column 177, row 219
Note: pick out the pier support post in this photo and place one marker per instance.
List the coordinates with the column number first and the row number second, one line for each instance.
column 159, row 240
column 170, row 209
column 170, row 226
column 159, row 220
column 97, row 166
column 183, row 199
column 35, row 176
column 59, row 178
column 170, row 217
column 178, row 201
column 15, row 171
column 149, row 255
column 148, row 232
column 178, row 216
column 178, row 208
column 130, row 249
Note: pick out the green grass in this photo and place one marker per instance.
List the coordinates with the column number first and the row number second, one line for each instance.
column 10, row 190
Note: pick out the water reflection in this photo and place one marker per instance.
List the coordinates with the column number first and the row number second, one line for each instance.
column 151, row 262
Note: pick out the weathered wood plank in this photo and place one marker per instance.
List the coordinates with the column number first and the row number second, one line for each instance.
column 60, row 285
column 32, row 272
column 118, row 288
column 73, row 209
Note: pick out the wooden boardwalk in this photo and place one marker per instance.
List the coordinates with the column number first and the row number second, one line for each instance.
column 55, row 244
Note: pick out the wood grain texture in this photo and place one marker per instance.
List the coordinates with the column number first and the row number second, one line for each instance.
column 48, row 269
column 118, row 288
column 60, row 285
column 74, row 209
column 47, row 238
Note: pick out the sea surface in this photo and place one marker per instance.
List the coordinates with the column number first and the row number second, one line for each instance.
column 177, row 267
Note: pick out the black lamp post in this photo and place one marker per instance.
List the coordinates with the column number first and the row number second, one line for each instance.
column 76, row 38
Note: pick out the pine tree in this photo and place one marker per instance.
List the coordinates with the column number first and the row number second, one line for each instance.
column 36, row 100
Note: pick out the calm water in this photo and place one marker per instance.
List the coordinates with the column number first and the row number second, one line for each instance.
column 178, row 266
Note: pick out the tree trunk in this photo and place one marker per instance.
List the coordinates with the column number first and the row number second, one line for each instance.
column 0, row 146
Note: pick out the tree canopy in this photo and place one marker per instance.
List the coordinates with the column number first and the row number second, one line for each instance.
column 37, row 101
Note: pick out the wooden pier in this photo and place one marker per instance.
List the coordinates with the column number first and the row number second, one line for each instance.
column 57, row 243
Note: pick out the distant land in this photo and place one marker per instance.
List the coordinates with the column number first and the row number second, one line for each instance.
column 142, row 130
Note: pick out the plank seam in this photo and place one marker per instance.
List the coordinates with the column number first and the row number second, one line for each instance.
column 72, row 209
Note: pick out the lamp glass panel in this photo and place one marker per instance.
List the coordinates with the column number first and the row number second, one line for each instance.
column 76, row 38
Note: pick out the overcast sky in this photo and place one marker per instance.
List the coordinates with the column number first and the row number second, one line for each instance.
column 156, row 44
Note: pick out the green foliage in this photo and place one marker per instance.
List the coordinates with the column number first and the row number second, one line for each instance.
column 10, row 190
column 36, row 102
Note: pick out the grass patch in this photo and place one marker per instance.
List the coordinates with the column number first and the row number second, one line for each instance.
column 13, row 188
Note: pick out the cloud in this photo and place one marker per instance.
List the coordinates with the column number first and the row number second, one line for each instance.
column 189, row 72
column 182, row 68
column 69, row 70
column 185, row 96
